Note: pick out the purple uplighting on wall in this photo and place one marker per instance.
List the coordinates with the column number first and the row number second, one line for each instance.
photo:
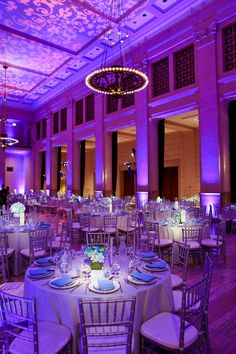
column 142, row 198
column 210, row 199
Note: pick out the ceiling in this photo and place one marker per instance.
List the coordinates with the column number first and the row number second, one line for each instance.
column 49, row 45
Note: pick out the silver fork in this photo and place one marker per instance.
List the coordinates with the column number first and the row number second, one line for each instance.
column 76, row 287
column 121, row 289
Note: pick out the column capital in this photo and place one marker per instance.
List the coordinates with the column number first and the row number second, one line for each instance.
column 140, row 62
column 69, row 102
column 206, row 35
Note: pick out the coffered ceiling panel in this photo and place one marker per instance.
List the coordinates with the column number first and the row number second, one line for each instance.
column 49, row 44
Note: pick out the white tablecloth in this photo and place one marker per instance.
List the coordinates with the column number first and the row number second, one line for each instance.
column 61, row 306
column 175, row 232
column 18, row 241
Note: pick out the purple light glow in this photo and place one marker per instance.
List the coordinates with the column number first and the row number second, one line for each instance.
column 210, row 199
column 142, row 198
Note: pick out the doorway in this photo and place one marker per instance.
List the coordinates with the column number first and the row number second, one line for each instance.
column 170, row 183
column 129, row 183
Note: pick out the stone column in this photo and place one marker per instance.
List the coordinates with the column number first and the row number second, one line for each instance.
column 107, row 164
column 2, row 158
column 99, row 150
column 141, row 106
column 224, row 151
column 48, row 153
column 53, row 169
column 152, row 159
column 206, row 69
column 70, row 146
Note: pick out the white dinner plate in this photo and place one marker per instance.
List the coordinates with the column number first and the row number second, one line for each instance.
column 43, row 264
column 41, row 276
column 139, row 282
column 155, row 269
column 145, row 259
column 68, row 286
column 93, row 286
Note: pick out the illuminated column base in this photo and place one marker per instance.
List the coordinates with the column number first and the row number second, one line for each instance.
column 69, row 192
column 208, row 199
column 141, row 198
column 98, row 194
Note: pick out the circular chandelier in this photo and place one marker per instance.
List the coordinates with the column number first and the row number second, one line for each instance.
column 6, row 140
column 117, row 80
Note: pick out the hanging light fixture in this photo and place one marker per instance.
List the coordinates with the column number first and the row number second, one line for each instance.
column 116, row 80
column 5, row 140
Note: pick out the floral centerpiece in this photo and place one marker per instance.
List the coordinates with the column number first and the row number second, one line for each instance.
column 96, row 254
column 107, row 203
column 18, row 209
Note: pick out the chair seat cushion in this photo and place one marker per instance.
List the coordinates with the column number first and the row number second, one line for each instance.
column 55, row 244
column 90, row 229
column 14, row 288
column 176, row 281
column 76, row 225
column 52, row 338
column 110, row 230
column 193, row 244
column 10, row 251
column 164, row 329
column 26, row 252
column 209, row 242
column 129, row 229
column 163, row 242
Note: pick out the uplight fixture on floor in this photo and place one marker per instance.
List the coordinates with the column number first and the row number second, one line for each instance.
column 117, row 79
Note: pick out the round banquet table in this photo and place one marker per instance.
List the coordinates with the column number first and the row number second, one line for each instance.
column 61, row 305
column 175, row 232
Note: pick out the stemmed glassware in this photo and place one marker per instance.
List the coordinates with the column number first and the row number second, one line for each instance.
column 115, row 269
column 85, row 271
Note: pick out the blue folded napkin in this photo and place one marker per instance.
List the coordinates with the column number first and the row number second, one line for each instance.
column 65, row 280
column 105, row 285
column 149, row 255
column 156, row 265
column 143, row 277
column 44, row 260
column 41, row 271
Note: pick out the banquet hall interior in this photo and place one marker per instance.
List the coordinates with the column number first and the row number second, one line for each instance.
column 118, row 175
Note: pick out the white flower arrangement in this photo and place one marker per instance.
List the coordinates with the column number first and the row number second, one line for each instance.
column 17, row 208
column 97, row 257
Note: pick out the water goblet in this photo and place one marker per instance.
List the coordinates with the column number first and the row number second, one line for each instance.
column 115, row 269
column 85, row 270
column 63, row 267
column 106, row 271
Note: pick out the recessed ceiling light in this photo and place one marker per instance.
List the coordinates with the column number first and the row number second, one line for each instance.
column 14, row 124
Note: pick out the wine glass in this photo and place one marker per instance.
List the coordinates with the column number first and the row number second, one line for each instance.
column 63, row 267
column 85, row 270
column 106, row 271
column 115, row 269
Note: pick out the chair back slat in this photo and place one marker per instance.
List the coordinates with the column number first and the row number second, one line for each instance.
column 106, row 323
column 19, row 320
column 179, row 262
column 97, row 239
